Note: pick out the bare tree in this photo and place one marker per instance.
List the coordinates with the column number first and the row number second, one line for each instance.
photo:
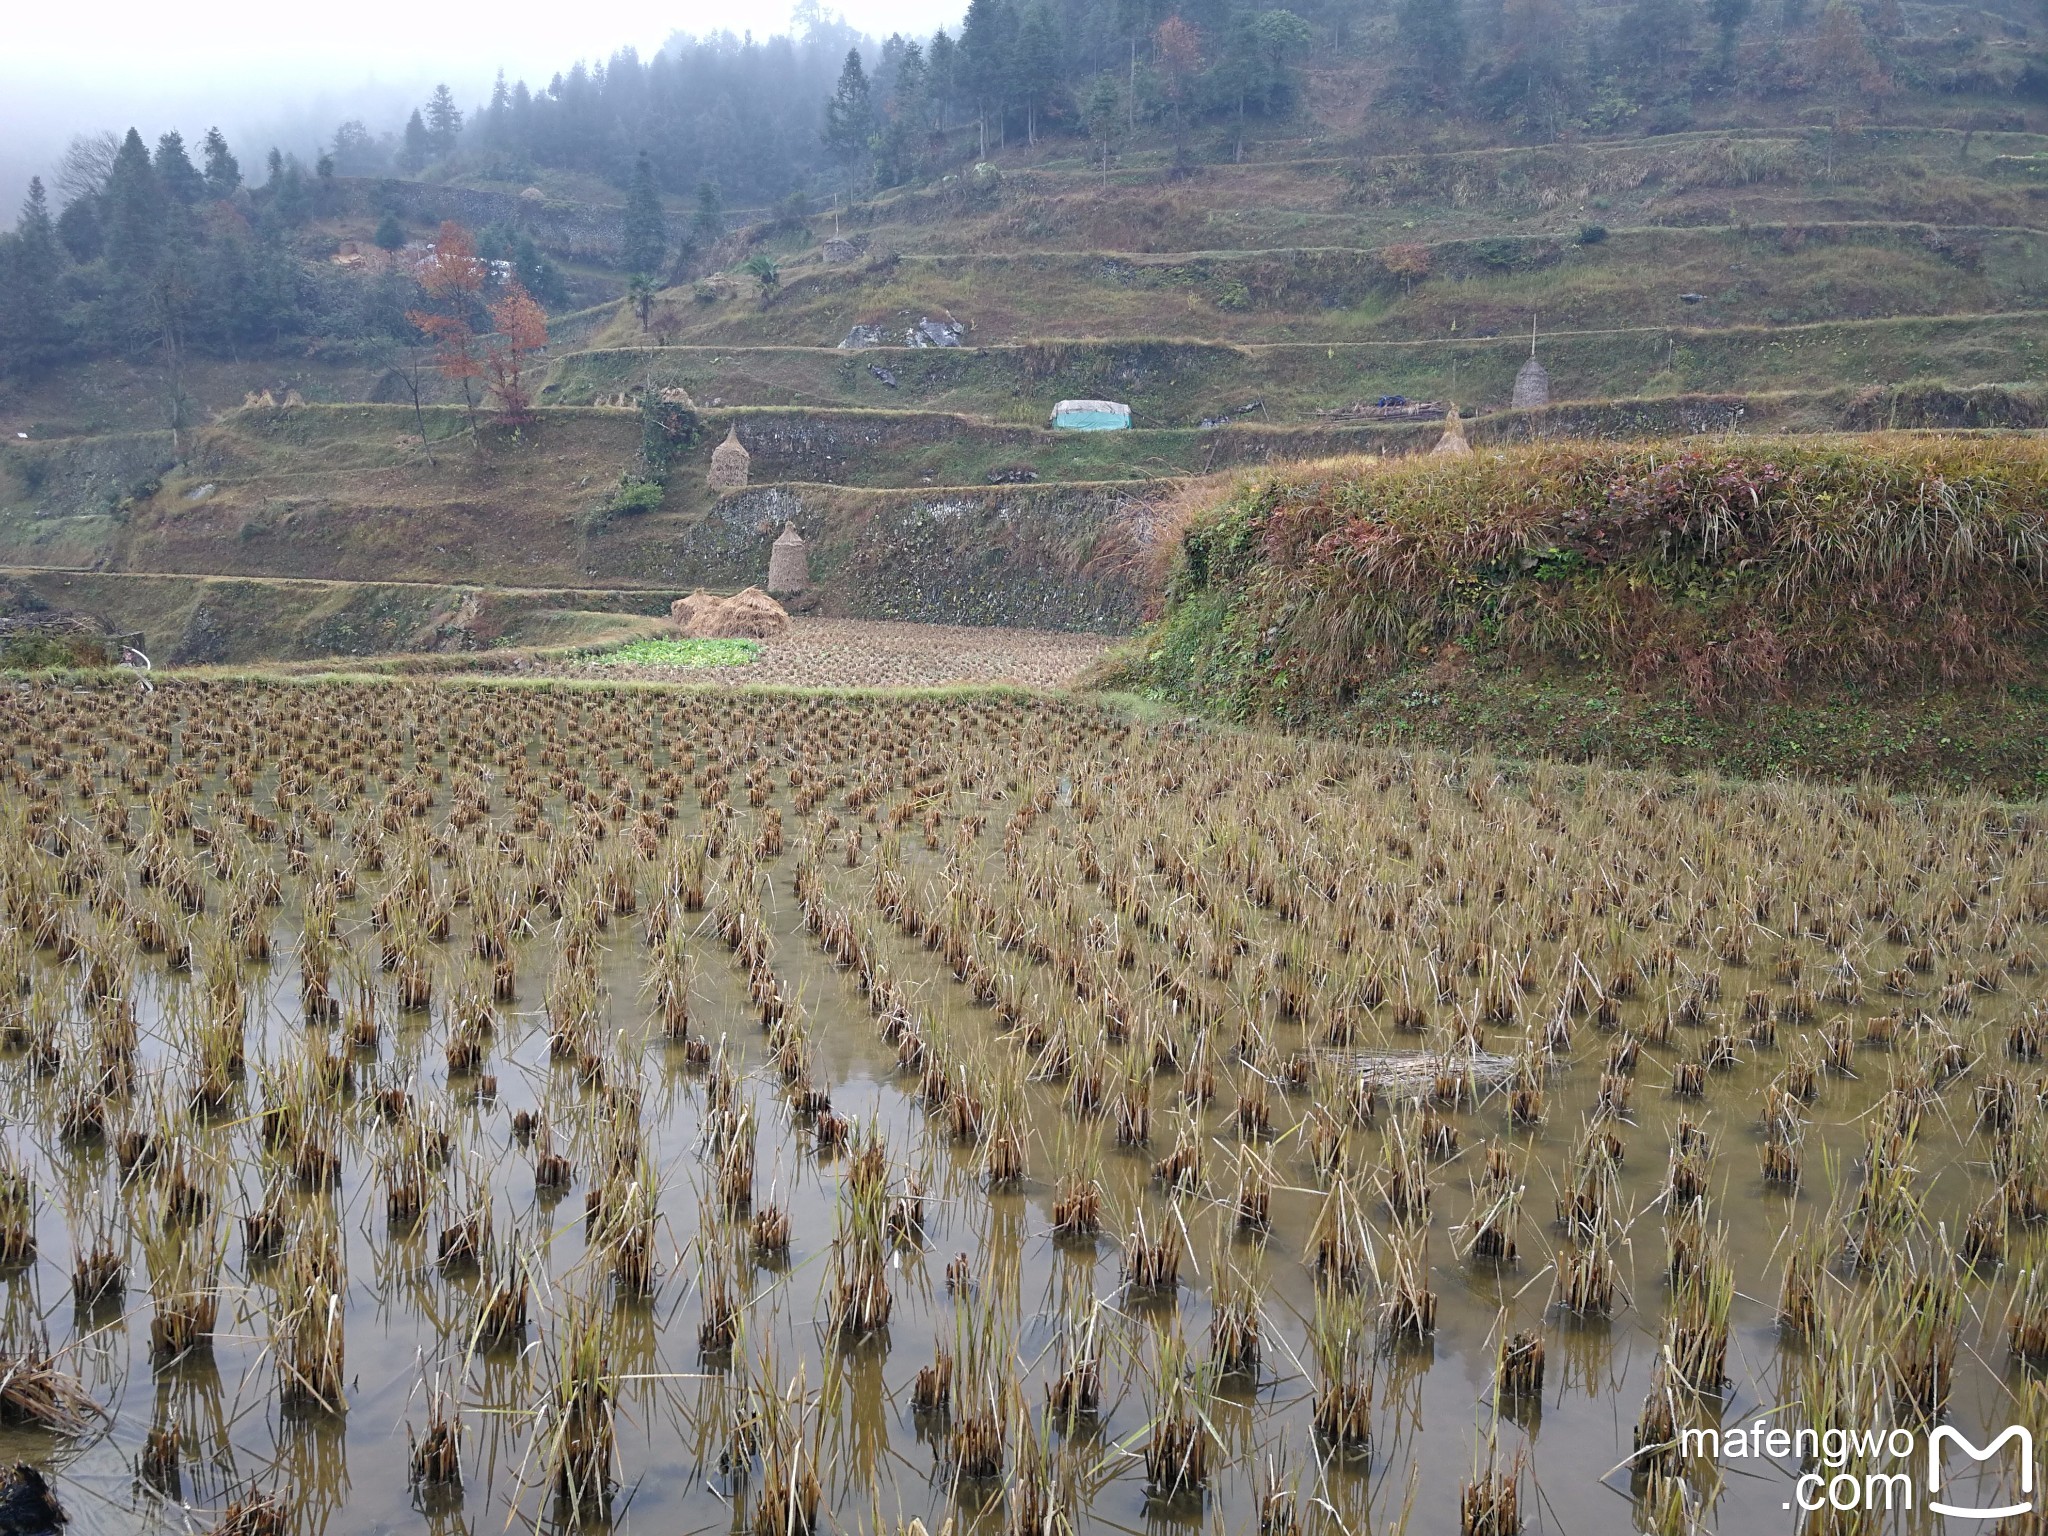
column 88, row 161
column 415, row 380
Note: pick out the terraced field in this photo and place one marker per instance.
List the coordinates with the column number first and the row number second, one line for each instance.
column 1782, row 278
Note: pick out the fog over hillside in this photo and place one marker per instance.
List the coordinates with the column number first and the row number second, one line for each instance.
column 268, row 78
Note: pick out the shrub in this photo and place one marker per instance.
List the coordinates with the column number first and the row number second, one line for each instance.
column 634, row 496
column 1592, row 234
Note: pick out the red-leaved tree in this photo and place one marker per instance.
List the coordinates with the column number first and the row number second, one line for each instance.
column 520, row 330
column 451, row 278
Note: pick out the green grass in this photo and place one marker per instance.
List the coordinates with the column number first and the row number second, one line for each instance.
column 682, row 653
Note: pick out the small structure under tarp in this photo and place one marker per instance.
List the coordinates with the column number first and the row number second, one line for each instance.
column 1091, row 415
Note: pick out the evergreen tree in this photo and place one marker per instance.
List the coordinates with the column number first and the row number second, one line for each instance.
column 390, row 234
column 850, row 114
column 497, row 114
column 1655, row 35
column 274, row 164
column 355, row 152
column 985, row 59
column 905, row 123
column 31, row 301
column 708, row 223
column 40, row 258
column 943, row 66
column 1036, row 68
column 79, row 230
column 1103, row 115
column 444, row 121
column 536, row 274
column 1538, row 79
column 293, row 204
column 419, row 144
column 1432, row 40
column 1280, row 37
column 175, row 172
column 1728, row 16
column 134, row 201
column 646, row 235
column 223, row 173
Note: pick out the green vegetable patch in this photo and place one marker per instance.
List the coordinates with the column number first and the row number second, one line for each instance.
column 682, row 653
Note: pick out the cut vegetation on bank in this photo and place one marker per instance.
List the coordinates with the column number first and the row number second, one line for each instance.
column 1767, row 605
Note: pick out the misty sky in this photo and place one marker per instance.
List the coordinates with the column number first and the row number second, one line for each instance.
column 285, row 72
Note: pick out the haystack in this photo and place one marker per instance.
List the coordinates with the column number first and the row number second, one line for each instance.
column 748, row 615
column 729, row 461
column 789, row 565
column 1532, row 386
column 1452, row 444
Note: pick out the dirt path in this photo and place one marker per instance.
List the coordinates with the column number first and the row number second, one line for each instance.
column 862, row 653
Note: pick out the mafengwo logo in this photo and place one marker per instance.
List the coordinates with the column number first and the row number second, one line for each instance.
column 1945, row 1435
column 1872, row 1470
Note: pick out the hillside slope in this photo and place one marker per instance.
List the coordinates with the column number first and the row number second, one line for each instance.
column 1778, row 257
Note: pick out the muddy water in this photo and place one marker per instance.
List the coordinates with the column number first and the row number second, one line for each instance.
column 404, row 1319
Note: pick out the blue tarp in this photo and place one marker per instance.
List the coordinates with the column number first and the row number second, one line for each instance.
column 1091, row 415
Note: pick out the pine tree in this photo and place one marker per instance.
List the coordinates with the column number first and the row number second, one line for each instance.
column 905, row 123
column 419, row 144
column 223, row 173
column 444, row 121
column 985, row 58
column 708, row 223
column 496, row 114
column 134, row 220
column 31, row 323
column 40, row 258
column 646, row 233
column 1036, row 68
column 390, row 234
column 1102, row 114
column 175, row 172
column 850, row 114
column 536, row 274
column 943, row 66
column 293, row 204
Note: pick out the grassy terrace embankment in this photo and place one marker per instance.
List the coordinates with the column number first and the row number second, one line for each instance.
column 348, row 494
column 1333, row 193
column 1773, row 605
column 1763, row 274
column 1178, row 383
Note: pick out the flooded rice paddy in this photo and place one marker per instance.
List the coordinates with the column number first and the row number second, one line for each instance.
column 481, row 1108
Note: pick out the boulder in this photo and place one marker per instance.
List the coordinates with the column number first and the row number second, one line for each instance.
column 748, row 615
